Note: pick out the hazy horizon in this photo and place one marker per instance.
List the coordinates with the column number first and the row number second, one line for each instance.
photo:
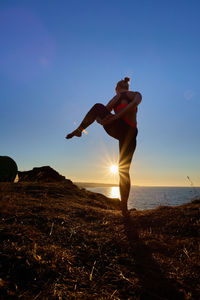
column 112, row 183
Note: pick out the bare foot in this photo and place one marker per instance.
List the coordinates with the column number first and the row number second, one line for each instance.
column 76, row 132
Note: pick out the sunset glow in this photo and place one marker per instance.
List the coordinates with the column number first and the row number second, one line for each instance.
column 53, row 73
column 85, row 131
column 114, row 169
column 114, row 192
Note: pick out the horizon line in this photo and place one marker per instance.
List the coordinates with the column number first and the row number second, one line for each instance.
column 135, row 185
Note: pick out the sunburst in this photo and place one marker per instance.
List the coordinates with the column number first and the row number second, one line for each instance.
column 114, row 169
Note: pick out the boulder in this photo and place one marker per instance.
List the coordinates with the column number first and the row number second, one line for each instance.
column 8, row 169
column 41, row 174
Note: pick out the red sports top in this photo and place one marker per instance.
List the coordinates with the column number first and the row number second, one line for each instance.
column 120, row 105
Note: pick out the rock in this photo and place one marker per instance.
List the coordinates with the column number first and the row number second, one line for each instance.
column 41, row 174
column 8, row 169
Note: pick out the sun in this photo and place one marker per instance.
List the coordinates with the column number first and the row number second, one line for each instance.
column 114, row 169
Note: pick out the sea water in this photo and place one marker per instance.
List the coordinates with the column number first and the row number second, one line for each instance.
column 151, row 197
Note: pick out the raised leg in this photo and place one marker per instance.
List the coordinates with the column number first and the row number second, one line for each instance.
column 97, row 111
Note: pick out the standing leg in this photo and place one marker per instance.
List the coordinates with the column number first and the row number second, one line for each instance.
column 97, row 111
column 127, row 147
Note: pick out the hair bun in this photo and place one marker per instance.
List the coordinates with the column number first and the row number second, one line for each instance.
column 127, row 79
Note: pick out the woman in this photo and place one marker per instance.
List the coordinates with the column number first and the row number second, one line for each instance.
column 122, row 126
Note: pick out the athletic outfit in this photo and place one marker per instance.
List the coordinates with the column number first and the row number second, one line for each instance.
column 125, row 131
column 120, row 105
column 121, row 129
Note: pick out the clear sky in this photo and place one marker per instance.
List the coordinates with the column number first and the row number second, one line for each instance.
column 58, row 58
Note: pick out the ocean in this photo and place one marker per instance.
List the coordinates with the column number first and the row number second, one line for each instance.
column 151, row 197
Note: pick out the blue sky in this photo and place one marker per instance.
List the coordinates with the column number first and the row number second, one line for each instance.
column 58, row 58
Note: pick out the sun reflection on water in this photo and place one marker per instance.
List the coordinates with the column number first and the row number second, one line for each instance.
column 114, row 192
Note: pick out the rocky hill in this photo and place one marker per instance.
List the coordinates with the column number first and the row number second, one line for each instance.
column 41, row 174
column 62, row 242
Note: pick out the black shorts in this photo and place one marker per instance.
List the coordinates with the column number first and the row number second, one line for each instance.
column 121, row 131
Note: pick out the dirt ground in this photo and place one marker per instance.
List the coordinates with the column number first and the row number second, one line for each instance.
column 61, row 242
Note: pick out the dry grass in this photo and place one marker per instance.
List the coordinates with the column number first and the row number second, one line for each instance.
column 60, row 242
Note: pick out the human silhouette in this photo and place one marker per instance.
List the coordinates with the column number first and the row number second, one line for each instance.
column 122, row 125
